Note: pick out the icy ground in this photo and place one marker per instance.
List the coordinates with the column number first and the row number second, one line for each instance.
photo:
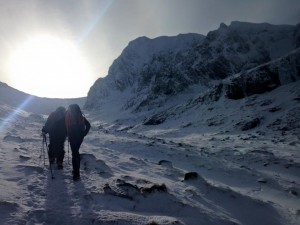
column 157, row 175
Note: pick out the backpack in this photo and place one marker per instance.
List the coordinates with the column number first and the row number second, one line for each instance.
column 55, row 123
column 74, row 120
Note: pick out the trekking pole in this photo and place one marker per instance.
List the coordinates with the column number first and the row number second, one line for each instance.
column 45, row 138
column 68, row 152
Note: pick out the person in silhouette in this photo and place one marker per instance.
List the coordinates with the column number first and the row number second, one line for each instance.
column 77, row 128
column 55, row 127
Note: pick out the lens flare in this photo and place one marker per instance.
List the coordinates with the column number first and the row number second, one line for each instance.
column 14, row 113
column 96, row 19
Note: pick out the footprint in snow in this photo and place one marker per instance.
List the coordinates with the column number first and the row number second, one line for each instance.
column 28, row 169
column 25, row 158
column 7, row 208
column 11, row 138
column 91, row 164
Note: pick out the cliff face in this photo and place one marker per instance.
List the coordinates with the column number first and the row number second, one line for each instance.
column 132, row 69
column 160, row 72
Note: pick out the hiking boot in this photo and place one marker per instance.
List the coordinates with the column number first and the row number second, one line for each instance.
column 76, row 175
column 60, row 165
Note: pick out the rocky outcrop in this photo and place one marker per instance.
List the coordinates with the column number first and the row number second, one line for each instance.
column 151, row 73
column 258, row 80
column 264, row 78
column 135, row 68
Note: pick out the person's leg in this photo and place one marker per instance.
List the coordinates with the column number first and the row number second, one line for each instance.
column 75, row 145
column 60, row 153
column 51, row 154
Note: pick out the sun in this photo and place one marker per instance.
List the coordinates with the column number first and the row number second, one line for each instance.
column 48, row 66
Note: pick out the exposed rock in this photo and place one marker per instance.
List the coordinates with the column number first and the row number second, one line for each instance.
column 190, row 176
column 274, row 109
column 294, row 192
column 150, row 72
column 154, row 188
column 156, row 119
column 262, row 180
column 251, row 124
column 264, row 78
column 165, row 163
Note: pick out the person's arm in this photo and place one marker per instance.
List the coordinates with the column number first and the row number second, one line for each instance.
column 47, row 126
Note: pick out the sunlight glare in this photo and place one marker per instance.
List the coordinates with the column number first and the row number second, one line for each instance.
column 48, row 66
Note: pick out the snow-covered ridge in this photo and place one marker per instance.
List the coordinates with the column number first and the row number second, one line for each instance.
column 265, row 77
column 150, row 73
column 262, row 79
column 23, row 101
column 126, row 70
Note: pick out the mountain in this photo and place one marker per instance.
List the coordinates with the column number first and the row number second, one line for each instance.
column 165, row 71
column 213, row 142
column 191, row 169
column 130, row 70
column 262, row 97
column 20, row 100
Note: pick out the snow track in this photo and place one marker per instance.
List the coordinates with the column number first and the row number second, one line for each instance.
column 130, row 178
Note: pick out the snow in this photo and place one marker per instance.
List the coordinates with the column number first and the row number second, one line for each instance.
column 126, row 70
column 30, row 103
column 135, row 174
column 153, row 70
column 213, row 160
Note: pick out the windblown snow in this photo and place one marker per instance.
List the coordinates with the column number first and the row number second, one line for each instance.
column 204, row 155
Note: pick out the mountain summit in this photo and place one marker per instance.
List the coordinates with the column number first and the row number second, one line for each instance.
column 151, row 73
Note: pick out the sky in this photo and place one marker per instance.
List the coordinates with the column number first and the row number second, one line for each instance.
column 59, row 48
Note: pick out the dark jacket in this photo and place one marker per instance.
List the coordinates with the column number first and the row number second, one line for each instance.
column 55, row 127
column 77, row 126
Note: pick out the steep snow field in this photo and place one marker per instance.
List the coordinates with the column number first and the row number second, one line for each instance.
column 200, row 170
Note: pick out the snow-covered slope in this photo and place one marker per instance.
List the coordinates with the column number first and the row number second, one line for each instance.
column 258, row 80
column 152, row 73
column 242, row 46
column 212, row 164
column 22, row 101
column 129, row 70
column 213, row 151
